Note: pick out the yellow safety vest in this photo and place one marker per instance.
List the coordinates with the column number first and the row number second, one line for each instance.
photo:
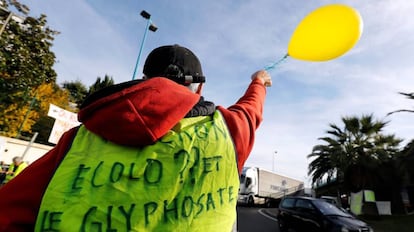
column 187, row 181
column 18, row 170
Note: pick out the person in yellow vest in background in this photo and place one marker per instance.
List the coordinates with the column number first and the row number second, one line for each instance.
column 150, row 155
column 15, row 168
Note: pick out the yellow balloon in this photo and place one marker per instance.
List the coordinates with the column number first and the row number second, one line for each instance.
column 326, row 33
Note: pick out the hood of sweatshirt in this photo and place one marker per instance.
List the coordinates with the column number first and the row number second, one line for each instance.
column 137, row 113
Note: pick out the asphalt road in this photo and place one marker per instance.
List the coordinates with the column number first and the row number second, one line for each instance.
column 256, row 219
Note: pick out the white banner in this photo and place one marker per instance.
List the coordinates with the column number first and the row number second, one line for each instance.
column 356, row 202
column 65, row 120
column 384, row 207
column 62, row 114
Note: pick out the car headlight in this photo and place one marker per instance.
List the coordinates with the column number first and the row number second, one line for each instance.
column 344, row 229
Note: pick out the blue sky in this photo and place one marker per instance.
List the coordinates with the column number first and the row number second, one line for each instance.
column 235, row 38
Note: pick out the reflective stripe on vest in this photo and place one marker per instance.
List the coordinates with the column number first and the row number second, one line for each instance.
column 187, row 181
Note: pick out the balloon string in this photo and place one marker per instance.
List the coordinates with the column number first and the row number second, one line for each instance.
column 273, row 65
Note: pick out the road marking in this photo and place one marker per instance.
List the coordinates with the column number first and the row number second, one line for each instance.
column 266, row 215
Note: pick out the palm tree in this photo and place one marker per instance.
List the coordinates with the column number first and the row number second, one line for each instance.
column 353, row 153
column 324, row 166
column 409, row 96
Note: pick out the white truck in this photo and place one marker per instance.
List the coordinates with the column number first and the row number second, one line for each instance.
column 259, row 186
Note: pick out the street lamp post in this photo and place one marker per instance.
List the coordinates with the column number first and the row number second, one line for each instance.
column 273, row 161
column 150, row 26
column 6, row 22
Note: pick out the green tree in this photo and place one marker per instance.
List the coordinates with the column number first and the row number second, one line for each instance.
column 352, row 153
column 25, row 64
column 77, row 91
column 100, row 84
column 25, row 57
column 19, row 7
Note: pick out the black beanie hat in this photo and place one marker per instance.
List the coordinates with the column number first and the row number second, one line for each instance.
column 174, row 62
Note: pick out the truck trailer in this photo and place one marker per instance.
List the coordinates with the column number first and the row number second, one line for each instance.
column 261, row 187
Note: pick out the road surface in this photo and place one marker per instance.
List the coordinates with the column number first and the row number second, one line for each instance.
column 256, row 219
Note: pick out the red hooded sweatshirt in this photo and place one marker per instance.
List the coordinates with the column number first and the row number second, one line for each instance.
column 136, row 115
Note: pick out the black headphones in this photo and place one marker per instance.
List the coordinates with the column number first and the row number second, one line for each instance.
column 175, row 73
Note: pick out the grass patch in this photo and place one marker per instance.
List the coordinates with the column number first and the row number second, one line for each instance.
column 392, row 223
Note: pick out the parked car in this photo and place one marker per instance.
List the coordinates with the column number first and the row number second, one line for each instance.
column 330, row 199
column 310, row 214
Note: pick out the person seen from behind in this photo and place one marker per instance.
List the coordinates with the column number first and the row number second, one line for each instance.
column 17, row 166
column 150, row 155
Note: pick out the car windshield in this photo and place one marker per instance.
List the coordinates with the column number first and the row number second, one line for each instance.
column 329, row 209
